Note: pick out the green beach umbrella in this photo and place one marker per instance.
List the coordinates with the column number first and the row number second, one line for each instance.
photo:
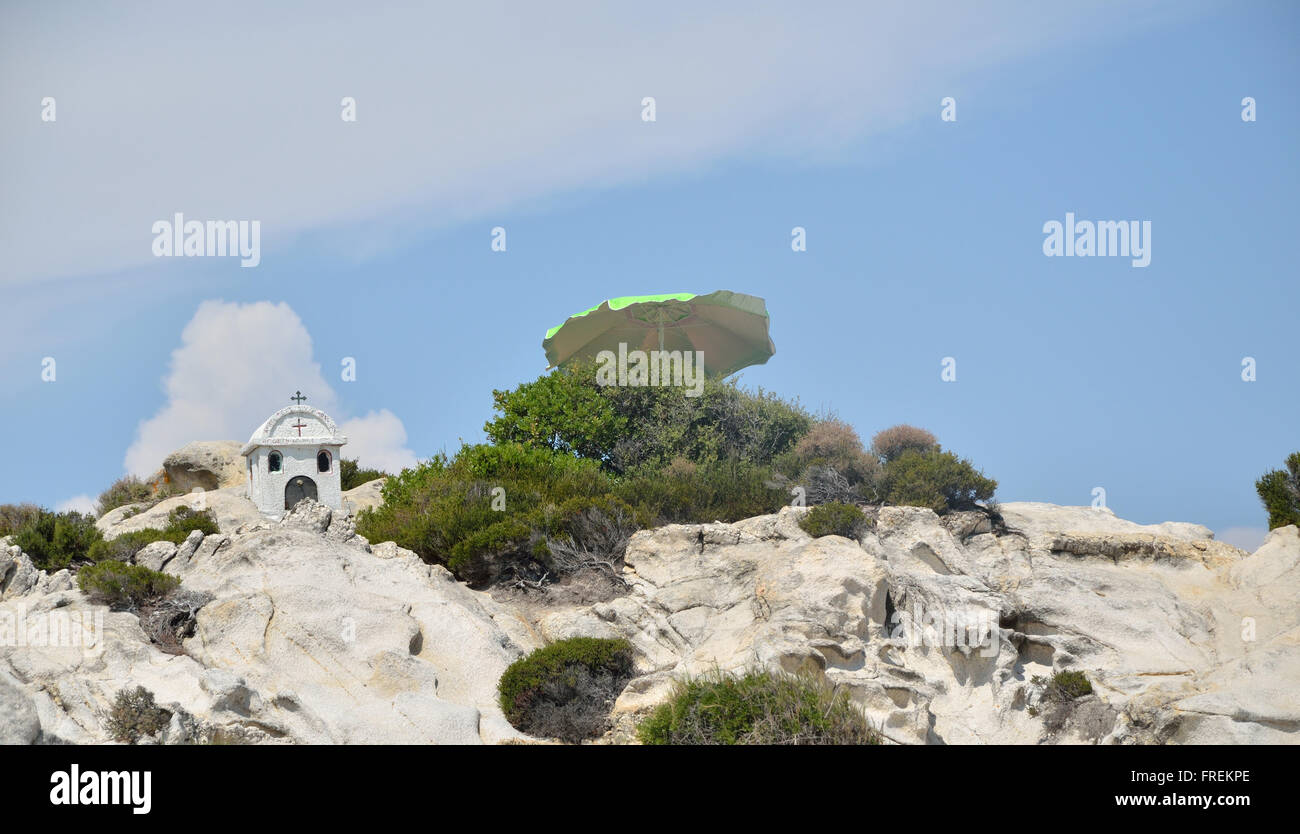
column 728, row 328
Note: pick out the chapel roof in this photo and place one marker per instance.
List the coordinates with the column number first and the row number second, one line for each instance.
column 296, row 425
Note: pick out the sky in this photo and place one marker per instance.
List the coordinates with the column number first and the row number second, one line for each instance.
column 925, row 234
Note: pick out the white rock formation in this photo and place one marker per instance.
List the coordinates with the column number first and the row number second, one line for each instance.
column 364, row 497
column 313, row 635
column 229, row 506
column 206, row 464
column 1154, row 616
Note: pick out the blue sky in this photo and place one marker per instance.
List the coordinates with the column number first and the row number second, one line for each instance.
column 924, row 236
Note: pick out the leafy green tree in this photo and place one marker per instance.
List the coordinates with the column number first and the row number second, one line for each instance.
column 564, row 411
column 625, row 427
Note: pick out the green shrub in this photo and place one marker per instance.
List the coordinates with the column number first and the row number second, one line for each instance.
column 834, row 444
column 126, row 490
column 757, row 708
column 14, row 517
column 1067, row 686
column 564, row 411
column 565, row 690
column 892, row 442
column 1279, row 490
column 488, row 508
column 56, row 540
column 625, row 427
column 134, row 715
column 590, row 533
column 122, row 585
column 123, row 547
column 935, row 479
column 724, row 423
column 1057, row 703
column 688, row 493
column 835, row 519
column 351, row 475
column 180, row 523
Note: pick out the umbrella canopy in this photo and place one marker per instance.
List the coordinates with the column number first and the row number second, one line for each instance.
column 728, row 328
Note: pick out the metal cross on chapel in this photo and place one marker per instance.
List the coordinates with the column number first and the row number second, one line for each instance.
column 298, row 397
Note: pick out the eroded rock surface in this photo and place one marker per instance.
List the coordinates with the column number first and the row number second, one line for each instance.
column 939, row 629
column 312, row 636
column 1183, row 638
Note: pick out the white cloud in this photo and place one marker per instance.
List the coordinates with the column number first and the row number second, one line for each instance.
column 236, row 365
column 1247, row 538
column 79, row 503
column 461, row 109
column 378, row 441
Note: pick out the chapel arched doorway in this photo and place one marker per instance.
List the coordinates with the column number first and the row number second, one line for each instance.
column 298, row 488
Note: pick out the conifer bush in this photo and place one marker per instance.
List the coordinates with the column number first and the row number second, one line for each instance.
column 56, row 540
column 936, row 479
column 1279, row 490
column 127, row 586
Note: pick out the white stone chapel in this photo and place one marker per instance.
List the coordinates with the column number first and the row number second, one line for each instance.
column 292, row 456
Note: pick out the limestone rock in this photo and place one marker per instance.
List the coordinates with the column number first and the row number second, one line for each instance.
column 18, row 575
column 19, row 723
column 364, row 497
column 208, row 465
column 156, row 555
column 229, row 506
column 940, row 629
column 308, row 637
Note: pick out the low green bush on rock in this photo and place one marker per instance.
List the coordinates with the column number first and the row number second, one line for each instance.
column 759, row 707
column 124, row 586
column 1067, row 686
column 565, row 690
column 180, row 523
column 134, row 715
column 935, row 479
column 484, row 512
column 836, row 519
column 123, row 491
